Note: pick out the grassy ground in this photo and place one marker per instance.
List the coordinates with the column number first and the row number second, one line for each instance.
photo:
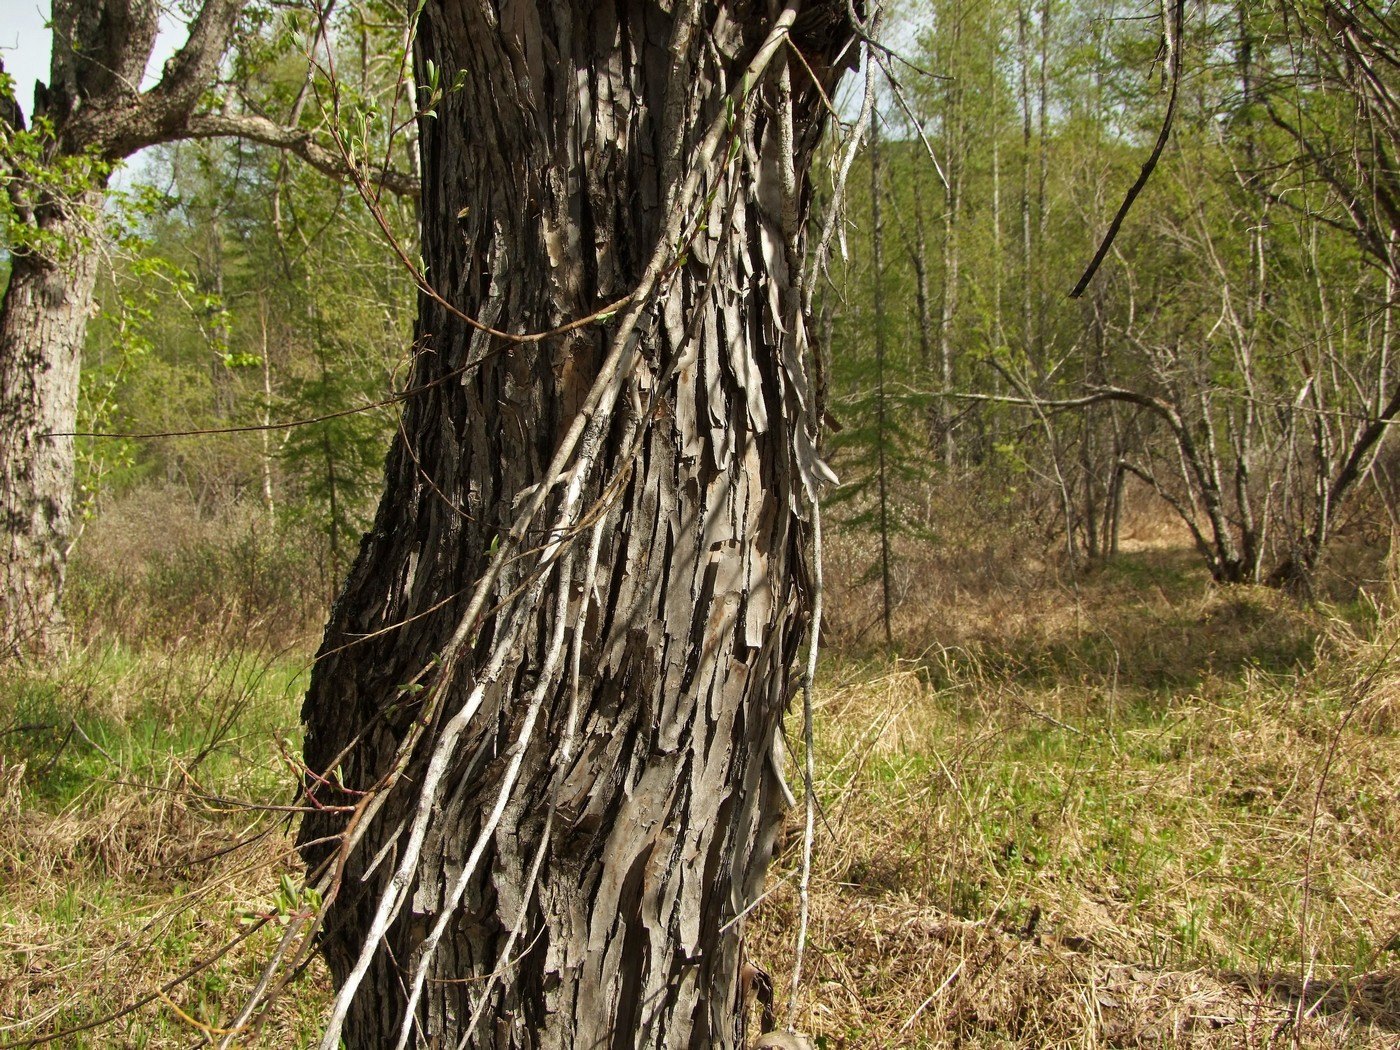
column 1137, row 812
column 1149, row 814
column 136, row 842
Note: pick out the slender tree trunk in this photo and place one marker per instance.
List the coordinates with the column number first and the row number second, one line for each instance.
column 1028, row 277
column 939, row 409
column 42, row 323
column 94, row 116
column 955, row 140
column 986, row 438
column 1113, row 507
column 882, row 428
column 998, row 325
column 333, row 512
column 268, row 500
column 946, row 315
column 1042, row 211
column 580, row 678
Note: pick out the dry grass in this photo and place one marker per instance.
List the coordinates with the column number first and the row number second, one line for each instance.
column 128, row 852
column 156, row 568
column 1142, row 843
column 1137, row 812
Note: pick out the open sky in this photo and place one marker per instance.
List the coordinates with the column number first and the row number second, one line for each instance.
column 24, row 46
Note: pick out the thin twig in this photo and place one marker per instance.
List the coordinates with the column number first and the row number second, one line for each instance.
column 1173, row 31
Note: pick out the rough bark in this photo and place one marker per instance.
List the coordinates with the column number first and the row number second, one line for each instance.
column 96, row 116
column 589, row 762
column 42, row 321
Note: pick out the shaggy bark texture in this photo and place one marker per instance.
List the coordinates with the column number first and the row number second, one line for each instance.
column 560, row 663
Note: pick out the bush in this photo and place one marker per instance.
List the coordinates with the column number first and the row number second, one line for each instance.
column 152, row 568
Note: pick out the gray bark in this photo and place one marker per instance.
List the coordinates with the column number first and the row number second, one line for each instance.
column 882, row 437
column 608, row 810
column 96, row 112
column 42, row 322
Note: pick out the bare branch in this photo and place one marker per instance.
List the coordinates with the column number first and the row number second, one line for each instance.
column 294, row 140
column 1097, row 397
column 1174, row 26
column 190, row 70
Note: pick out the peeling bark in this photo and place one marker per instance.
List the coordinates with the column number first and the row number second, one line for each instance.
column 608, row 810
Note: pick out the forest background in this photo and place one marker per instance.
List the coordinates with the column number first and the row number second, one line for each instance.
column 1108, row 725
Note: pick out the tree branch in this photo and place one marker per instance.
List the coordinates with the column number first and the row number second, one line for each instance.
column 11, row 114
column 1098, row 396
column 293, row 140
column 1149, row 478
column 1174, row 24
column 189, row 72
column 128, row 121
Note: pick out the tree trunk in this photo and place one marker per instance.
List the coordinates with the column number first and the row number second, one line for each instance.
column 939, row 411
column 882, row 429
column 42, row 322
column 565, row 722
column 99, row 52
column 94, row 116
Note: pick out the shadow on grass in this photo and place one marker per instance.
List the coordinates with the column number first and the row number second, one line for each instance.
column 1370, row 998
column 1150, row 620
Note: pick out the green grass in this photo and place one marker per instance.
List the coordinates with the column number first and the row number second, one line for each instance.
column 133, row 778
column 1214, row 829
column 1138, row 816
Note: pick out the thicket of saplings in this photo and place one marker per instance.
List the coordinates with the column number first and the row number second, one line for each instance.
column 1107, row 720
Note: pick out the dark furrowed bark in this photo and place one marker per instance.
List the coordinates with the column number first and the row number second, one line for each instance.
column 650, row 811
